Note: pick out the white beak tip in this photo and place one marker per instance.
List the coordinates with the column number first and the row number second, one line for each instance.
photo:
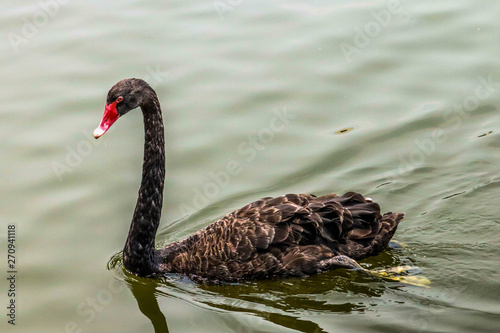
column 98, row 132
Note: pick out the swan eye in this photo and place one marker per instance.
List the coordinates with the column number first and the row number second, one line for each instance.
column 119, row 99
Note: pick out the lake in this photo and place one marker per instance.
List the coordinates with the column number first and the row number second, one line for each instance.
column 397, row 100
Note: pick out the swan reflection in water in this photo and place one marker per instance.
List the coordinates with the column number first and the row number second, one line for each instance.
column 283, row 302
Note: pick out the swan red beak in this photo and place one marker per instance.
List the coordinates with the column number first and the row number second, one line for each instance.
column 109, row 117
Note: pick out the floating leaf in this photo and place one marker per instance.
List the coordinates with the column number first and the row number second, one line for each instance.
column 345, row 130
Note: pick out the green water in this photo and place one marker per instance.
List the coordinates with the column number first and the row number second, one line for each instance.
column 258, row 88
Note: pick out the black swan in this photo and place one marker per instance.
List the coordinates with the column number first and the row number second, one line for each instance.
column 290, row 235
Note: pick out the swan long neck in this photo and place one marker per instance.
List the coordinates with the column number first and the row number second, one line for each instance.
column 139, row 255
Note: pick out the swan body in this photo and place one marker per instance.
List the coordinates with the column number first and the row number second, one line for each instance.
column 289, row 235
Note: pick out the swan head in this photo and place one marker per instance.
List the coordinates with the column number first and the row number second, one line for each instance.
column 123, row 97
